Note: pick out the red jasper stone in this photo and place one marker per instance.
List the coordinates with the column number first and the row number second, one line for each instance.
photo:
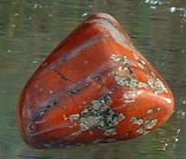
column 94, row 87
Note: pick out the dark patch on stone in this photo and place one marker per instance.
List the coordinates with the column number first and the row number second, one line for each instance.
column 39, row 114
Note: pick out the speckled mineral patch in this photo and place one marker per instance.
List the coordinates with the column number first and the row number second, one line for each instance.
column 124, row 76
column 99, row 115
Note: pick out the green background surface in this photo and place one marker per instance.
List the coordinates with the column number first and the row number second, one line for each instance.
column 29, row 31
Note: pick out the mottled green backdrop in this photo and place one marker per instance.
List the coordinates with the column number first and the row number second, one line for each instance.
column 30, row 29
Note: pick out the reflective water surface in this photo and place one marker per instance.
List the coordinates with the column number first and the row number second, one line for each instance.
column 30, row 29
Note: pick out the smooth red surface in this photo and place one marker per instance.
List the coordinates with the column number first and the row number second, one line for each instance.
column 97, row 60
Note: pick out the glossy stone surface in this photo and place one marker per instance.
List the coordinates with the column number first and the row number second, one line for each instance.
column 94, row 87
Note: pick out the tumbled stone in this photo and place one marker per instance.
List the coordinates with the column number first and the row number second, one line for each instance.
column 94, row 87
